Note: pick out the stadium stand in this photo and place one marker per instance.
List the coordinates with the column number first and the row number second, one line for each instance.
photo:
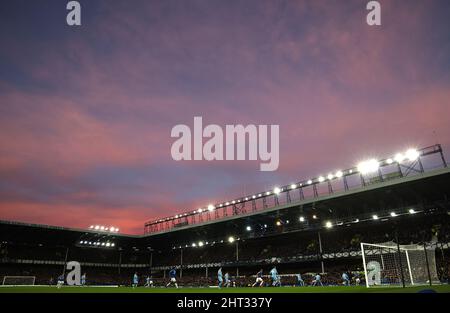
column 314, row 235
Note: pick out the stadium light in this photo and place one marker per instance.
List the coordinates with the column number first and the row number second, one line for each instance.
column 309, row 182
column 276, row 190
column 356, row 220
column 389, row 161
column 314, row 216
column 399, row 158
column 293, row 186
column 92, row 226
column 278, row 223
column 211, row 208
column 200, row 210
column 301, row 219
column 330, row 176
column 97, row 227
column 412, row 154
column 411, row 211
column 231, row 239
column 375, row 217
column 339, row 174
column 321, row 179
column 328, row 224
column 287, row 221
column 369, row 166
column 194, row 245
column 393, row 214
column 200, row 243
column 248, row 228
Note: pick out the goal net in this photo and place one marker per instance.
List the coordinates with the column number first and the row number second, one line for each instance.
column 388, row 264
column 19, row 280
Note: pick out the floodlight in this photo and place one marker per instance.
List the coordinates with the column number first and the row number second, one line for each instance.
column 399, row 158
column 412, row 154
column 194, row 244
column 330, row 176
column 369, row 166
column 108, row 244
column 97, row 227
column 228, row 203
column 113, row 244
column 328, row 224
column 199, row 210
column 293, row 186
column 248, row 228
column 278, row 223
column 259, row 195
column 309, row 182
column 210, row 207
column 231, row 239
column 314, row 216
column 375, row 217
column 233, row 202
column 339, row 174
column 389, row 161
column 321, row 179
column 102, row 228
column 287, row 221
column 267, row 193
column 411, row 211
column 253, row 197
column 81, row 242
column 246, row 199
column 92, row 226
column 301, row 219
column 276, row 190
column 356, row 220
column 200, row 243
column 393, row 214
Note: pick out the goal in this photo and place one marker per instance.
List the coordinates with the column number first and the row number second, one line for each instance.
column 19, row 280
column 389, row 264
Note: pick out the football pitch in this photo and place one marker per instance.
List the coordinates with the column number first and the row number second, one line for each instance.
column 243, row 290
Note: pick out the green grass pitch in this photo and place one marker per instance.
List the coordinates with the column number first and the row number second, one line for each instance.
column 333, row 289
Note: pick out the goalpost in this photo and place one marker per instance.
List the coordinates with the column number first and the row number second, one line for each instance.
column 389, row 264
column 19, row 280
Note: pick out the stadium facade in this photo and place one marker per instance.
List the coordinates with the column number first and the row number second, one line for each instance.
column 311, row 226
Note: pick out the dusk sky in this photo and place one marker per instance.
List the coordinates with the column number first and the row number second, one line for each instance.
column 86, row 112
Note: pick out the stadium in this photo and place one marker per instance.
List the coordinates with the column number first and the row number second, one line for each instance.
column 378, row 226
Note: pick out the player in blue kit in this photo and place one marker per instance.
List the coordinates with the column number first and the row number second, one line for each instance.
column 60, row 282
column 259, row 279
column 173, row 278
